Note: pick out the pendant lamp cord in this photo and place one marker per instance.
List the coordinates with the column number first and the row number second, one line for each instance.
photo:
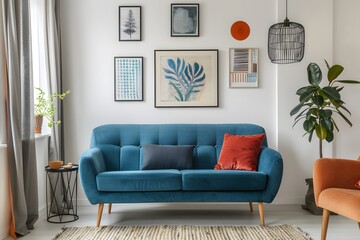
column 286, row 8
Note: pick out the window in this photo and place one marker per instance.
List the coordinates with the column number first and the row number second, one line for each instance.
column 39, row 55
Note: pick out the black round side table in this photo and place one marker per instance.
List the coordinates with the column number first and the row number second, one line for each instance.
column 62, row 184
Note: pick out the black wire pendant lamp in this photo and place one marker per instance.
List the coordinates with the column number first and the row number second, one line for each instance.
column 286, row 42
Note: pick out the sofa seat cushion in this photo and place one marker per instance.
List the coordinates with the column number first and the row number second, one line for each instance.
column 222, row 180
column 136, row 181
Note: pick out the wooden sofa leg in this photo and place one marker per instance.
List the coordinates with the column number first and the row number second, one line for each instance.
column 251, row 206
column 325, row 223
column 100, row 210
column 261, row 212
column 109, row 209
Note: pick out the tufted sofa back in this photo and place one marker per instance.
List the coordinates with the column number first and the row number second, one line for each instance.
column 121, row 144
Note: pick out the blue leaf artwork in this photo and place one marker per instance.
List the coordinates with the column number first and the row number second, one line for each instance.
column 185, row 78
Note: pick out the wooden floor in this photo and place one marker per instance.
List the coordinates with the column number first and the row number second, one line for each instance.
column 340, row 228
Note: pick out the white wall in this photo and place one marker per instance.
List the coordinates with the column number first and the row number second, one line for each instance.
column 90, row 42
column 4, row 195
column 347, row 53
column 299, row 155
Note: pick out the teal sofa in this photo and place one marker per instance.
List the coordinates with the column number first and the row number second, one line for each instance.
column 110, row 171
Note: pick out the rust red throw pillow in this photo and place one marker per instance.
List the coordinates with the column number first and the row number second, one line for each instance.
column 240, row 152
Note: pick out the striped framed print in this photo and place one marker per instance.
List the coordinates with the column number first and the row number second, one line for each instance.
column 243, row 67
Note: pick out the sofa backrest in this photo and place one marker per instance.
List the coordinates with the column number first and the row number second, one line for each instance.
column 121, row 144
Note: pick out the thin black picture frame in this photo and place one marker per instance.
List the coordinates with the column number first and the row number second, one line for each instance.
column 190, row 11
column 125, row 18
column 133, row 89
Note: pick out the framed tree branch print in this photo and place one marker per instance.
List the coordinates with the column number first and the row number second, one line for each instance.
column 186, row 78
column 130, row 23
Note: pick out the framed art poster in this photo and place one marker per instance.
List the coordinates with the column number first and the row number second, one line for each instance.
column 186, row 78
column 244, row 66
column 129, row 23
column 128, row 80
column 185, row 20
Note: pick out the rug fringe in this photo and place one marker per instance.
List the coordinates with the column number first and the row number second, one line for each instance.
column 59, row 234
column 303, row 232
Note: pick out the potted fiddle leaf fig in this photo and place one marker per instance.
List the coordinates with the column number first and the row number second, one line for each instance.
column 45, row 107
column 318, row 105
column 316, row 110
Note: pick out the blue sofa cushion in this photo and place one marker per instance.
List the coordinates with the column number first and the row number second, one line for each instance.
column 222, row 180
column 168, row 157
column 143, row 180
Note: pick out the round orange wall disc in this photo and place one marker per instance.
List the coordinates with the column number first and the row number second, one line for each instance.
column 240, row 30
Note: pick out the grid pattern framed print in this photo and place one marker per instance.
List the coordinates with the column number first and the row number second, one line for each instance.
column 244, row 66
column 186, row 78
column 185, row 20
column 128, row 78
column 129, row 23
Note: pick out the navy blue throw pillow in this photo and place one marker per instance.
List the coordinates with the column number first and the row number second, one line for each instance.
column 168, row 157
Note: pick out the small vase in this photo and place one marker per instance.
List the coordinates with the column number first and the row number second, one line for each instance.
column 38, row 124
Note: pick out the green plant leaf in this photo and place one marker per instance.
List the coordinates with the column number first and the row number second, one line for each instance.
column 330, row 137
column 296, row 109
column 311, row 135
column 318, row 100
column 327, row 124
column 302, row 90
column 306, row 96
column 339, row 88
column 334, row 72
column 308, row 125
column 320, row 132
column 348, row 81
column 314, row 74
column 331, row 93
column 347, row 110
column 301, row 114
column 325, row 113
column 344, row 117
column 327, row 64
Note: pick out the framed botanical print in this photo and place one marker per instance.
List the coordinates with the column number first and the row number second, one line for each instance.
column 130, row 23
column 186, row 78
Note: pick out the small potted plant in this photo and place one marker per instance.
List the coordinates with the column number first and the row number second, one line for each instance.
column 44, row 107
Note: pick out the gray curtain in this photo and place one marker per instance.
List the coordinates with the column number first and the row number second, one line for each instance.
column 20, row 114
column 53, row 59
column 53, row 50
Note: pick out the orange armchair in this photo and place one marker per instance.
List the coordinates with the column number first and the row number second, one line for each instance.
column 334, row 189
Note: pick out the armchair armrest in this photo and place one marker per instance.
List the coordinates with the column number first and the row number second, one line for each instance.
column 91, row 164
column 335, row 173
column 271, row 163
